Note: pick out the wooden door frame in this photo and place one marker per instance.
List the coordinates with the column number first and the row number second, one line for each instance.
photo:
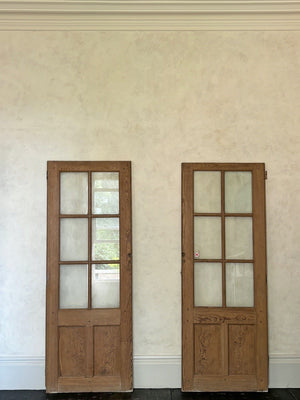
column 191, row 314
column 122, row 314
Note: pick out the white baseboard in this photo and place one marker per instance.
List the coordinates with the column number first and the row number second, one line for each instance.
column 28, row 372
column 284, row 371
column 22, row 372
column 157, row 372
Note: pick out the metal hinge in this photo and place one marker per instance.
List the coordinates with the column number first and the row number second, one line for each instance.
column 266, row 174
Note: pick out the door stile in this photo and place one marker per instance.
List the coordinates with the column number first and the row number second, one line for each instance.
column 187, row 280
column 224, row 327
column 89, row 241
column 89, row 328
column 126, row 277
column 260, row 272
column 223, row 239
column 52, row 277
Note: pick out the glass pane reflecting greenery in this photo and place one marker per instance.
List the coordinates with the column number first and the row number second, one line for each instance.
column 106, row 180
column 105, row 194
column 106, row 239
column 114, row 268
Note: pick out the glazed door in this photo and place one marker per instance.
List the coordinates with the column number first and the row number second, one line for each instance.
column 89, row 328
column 224, row 289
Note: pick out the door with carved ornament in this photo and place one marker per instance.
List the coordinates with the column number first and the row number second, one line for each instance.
column 224, row 280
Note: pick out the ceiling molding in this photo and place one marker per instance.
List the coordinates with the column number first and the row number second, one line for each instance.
column 142, row 15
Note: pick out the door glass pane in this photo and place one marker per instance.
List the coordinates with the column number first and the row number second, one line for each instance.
column 208, row 284
column 73, row 239
column 238, row 238
column 106, row 286
column 105, row 239
column 207, row 191
column 207, row 237
column 74, row 193
column 239, row 285
column 73, row 287
column 105, row 195
column 238, row 192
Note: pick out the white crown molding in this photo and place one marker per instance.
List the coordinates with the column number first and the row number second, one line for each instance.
column 150, row 15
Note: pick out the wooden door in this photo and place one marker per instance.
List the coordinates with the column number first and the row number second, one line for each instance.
column 224, row 289
column 89, row 327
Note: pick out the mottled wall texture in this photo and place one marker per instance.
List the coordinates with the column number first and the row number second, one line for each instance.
column 157, row 99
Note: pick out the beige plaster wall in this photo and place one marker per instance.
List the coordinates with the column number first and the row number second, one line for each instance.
column 157, row 99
